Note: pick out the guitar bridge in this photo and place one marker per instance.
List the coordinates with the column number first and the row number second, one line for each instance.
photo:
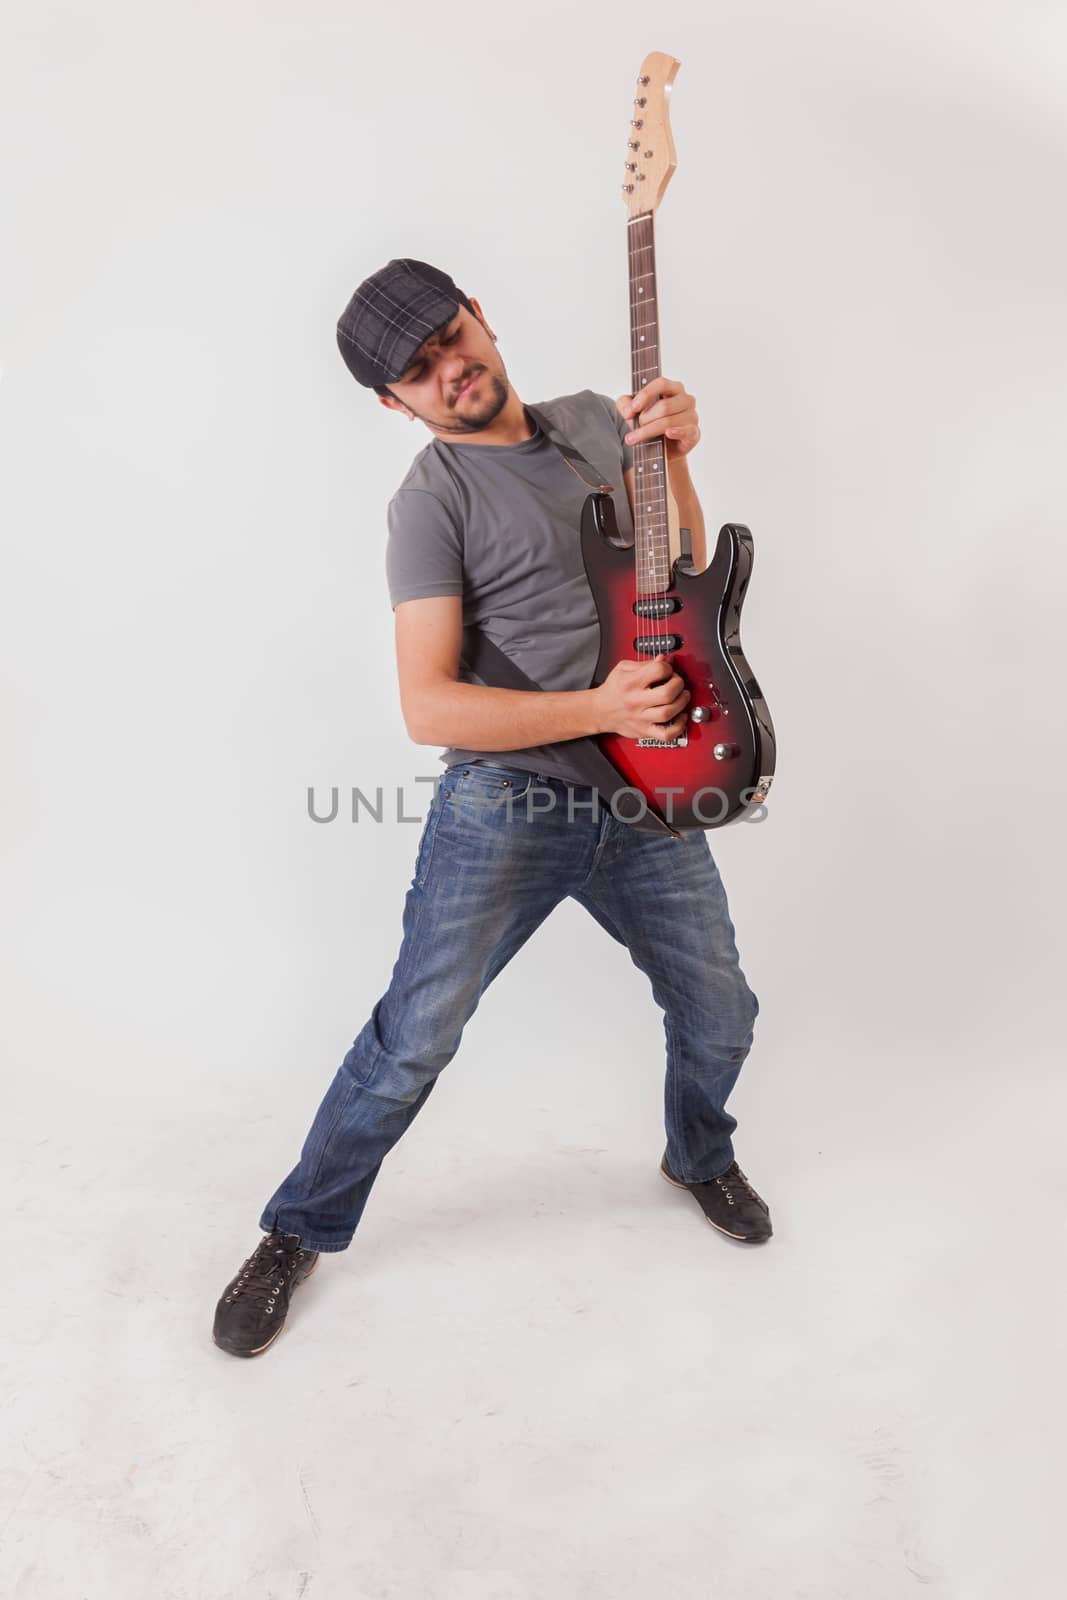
column 663, row 744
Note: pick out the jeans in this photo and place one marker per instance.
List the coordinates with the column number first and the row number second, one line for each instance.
column 499, row 849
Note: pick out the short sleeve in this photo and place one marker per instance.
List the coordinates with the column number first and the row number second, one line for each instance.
column 424, row 548
column 622, row 428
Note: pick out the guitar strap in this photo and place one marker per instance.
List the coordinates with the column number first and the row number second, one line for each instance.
column 497, row 670
column 570, row 455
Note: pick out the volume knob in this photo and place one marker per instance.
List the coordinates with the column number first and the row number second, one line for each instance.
column 700, row 714
column 723, row 752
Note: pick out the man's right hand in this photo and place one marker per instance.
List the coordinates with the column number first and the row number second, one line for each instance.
column 642, row 700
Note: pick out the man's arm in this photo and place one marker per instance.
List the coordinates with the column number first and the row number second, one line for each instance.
column 690, row 514
column 439, row 709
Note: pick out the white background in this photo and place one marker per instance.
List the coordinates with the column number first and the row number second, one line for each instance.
column 534, row 1373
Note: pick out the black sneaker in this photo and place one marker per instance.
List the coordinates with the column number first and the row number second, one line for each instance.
column 251, row 1314
column 730, row 1203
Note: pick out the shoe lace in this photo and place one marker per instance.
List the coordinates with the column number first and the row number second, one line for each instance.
column 734, row 1178
column 266, row 1270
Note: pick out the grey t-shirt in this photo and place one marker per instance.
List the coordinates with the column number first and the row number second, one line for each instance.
column 499, row 525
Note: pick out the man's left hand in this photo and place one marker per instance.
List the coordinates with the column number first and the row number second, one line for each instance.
column 662, row 408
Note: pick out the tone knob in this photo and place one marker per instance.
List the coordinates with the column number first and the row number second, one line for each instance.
column 700, row 714
column 723, row 752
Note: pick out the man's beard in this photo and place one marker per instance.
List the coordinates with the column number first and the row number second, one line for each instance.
column 485, row 414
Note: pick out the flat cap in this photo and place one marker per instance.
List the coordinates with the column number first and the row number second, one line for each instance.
column 391, row 313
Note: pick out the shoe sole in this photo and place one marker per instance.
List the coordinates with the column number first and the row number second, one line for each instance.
column 258, row 1351
column 739, row 1238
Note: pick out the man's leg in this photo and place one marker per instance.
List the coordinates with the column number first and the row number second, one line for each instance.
column 664, row 900
column 485, row 878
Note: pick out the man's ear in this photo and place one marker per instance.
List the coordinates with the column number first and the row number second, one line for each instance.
column 391, row 403
column 481, row 318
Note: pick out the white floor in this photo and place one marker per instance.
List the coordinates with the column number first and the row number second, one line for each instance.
column 539, row 1372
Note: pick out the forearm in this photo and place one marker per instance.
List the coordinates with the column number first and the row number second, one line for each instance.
column 690, row 514
column 469, row 716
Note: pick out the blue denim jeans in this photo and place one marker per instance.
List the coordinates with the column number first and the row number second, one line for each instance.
column 499, row 849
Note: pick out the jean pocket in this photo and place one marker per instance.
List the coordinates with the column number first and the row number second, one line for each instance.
column 487, row 787
column 429, row 834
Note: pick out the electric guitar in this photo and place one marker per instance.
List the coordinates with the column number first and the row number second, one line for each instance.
column 650, row 602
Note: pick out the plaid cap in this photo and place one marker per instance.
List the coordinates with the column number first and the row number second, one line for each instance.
column 391, row 313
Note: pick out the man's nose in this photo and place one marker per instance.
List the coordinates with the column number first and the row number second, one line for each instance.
column 453, row 366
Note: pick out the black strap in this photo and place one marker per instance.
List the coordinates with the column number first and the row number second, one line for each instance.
column 568, row 452
column 498, row 671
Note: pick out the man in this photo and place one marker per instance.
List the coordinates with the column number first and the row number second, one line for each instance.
column 483, row 535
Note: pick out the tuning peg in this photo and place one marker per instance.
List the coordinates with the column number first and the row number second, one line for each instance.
column 642, row 103
column 643, row 81
column 638, row 124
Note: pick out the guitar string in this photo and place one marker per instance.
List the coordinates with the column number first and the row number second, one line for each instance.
column 645, row 551
column 642, row 264
column 650, row 578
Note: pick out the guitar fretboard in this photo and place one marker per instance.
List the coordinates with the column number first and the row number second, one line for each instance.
column 651, row 527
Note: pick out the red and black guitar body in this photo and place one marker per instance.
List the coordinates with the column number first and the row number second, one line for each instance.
column 724, row 761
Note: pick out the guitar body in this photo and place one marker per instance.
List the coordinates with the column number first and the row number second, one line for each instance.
column 724, row 761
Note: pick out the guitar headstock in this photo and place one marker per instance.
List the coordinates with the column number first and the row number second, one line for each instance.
column 649, row 146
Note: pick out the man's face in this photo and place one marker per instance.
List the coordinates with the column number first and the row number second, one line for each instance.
column 456, row 382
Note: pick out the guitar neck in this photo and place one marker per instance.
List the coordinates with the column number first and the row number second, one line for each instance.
column 651, row 524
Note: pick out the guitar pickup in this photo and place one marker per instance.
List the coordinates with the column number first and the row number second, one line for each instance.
column 654, row 644
column 660, row 605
